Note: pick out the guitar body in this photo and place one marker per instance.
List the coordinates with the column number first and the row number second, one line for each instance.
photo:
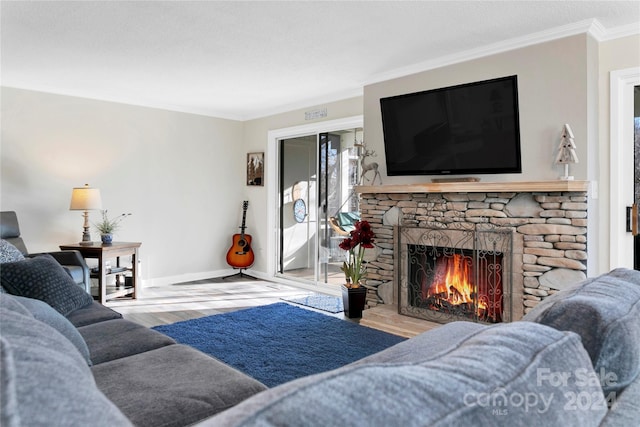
column 240, row 255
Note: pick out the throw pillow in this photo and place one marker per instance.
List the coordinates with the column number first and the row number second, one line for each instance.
column 45, row 313
column 605, row 312
column 44, row 279
column 9, row 253
column 48, row 382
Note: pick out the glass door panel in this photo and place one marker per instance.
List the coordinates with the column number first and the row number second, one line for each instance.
column 298, row 206
column 636, row 172
column 342, row 172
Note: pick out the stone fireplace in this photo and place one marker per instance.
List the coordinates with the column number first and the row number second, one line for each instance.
column 541, row 228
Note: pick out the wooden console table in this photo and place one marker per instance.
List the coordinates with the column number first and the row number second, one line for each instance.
column 103, row 253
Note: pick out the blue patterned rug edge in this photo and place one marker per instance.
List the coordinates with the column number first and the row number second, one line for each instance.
column 327, row 303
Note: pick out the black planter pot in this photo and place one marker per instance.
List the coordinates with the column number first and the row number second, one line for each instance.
column 353, row 301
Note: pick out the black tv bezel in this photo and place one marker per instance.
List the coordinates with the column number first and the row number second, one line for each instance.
column 462, row 171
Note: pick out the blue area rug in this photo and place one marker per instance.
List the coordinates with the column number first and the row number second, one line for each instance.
column 279, row 342
column 321, row 302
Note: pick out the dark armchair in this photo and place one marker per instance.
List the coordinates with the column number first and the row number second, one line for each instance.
column 72, row 261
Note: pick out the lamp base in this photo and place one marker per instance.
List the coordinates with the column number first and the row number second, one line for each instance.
column 86, row 234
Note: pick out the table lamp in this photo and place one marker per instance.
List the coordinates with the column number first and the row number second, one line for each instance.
column 85, row 199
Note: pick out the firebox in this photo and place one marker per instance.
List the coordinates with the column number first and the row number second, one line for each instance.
column 449, row 275
column 457, row 283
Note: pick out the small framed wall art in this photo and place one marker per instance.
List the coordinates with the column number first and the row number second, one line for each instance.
column 255, row 168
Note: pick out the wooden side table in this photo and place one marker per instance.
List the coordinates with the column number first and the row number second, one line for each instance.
column 103, row 253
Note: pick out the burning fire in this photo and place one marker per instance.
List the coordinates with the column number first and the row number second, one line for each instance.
column 453, row 282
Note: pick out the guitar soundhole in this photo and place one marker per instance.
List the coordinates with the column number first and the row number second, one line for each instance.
column 242, row 243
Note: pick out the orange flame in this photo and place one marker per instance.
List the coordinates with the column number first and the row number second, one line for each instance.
column 453, row 281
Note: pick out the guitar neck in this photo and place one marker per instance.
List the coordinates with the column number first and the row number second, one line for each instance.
column 245, row 205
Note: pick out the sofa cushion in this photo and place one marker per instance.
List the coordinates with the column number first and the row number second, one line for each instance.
column 45, row 313
column 114, row 339
column 625, row 410
column 436, row 341
column 91, row 314
column 44, row 279
column 174, row 385
column 605, row 312
column 48, row 382
column 501, row 375
column 9, row 253
column 9, row 415
column 12, row 303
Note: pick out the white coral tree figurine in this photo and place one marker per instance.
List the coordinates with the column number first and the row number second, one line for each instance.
column 566, row 152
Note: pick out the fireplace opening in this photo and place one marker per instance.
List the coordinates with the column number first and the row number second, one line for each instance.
column 460, row 284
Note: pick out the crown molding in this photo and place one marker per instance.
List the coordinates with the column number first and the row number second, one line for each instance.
column 307, row 103
column 592, row 27
column 601, row 34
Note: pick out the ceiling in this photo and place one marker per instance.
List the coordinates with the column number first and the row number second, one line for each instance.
column 248, row 59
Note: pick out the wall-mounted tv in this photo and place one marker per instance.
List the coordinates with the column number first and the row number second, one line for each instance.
column 470, row 128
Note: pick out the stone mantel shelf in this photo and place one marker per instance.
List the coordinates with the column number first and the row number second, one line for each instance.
column 477, row 187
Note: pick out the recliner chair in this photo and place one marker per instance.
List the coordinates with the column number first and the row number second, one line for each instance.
column 71, row 261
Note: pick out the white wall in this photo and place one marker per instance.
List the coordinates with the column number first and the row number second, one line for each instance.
column 618, row 54
column 181, row 176
column 552, row 83
column 561, row 81
column 255, row 139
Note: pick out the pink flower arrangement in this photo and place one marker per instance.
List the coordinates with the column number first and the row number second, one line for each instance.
column 360, row 239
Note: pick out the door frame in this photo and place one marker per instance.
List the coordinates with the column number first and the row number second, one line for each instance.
column 621, row 165
column 272, row 175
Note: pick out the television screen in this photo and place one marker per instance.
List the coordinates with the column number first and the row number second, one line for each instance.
column 466, row 129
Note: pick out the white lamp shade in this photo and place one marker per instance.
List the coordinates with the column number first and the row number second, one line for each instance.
column 85, row 199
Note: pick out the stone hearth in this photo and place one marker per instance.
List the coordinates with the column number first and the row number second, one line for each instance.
column 548, row 220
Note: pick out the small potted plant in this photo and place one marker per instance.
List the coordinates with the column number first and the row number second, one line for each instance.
column 353, row 293
column 108, row 226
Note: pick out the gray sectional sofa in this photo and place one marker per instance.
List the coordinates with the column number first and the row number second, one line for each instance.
column 69, row 361
column 574, row 360
column 133, row 375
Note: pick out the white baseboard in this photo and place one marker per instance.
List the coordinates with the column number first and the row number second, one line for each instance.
column 189, row 277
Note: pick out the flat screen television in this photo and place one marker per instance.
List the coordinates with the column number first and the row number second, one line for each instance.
column 470, row 128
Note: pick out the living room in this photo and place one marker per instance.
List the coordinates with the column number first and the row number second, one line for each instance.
column 166, row 167
column 180, row 170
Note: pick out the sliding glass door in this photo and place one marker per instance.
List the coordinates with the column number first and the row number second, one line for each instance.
column 317, row 204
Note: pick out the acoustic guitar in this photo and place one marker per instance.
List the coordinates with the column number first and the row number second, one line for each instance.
column 240, row 255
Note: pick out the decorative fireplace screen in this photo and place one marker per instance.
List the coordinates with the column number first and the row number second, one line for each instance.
column 449, row 275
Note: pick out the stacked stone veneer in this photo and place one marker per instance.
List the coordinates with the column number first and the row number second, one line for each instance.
column 549, row 246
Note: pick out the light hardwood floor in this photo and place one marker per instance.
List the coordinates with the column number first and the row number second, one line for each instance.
column 169, row 304
column 173, row 303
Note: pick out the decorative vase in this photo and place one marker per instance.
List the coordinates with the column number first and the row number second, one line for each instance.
column 353, row 300
column 107, row 239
